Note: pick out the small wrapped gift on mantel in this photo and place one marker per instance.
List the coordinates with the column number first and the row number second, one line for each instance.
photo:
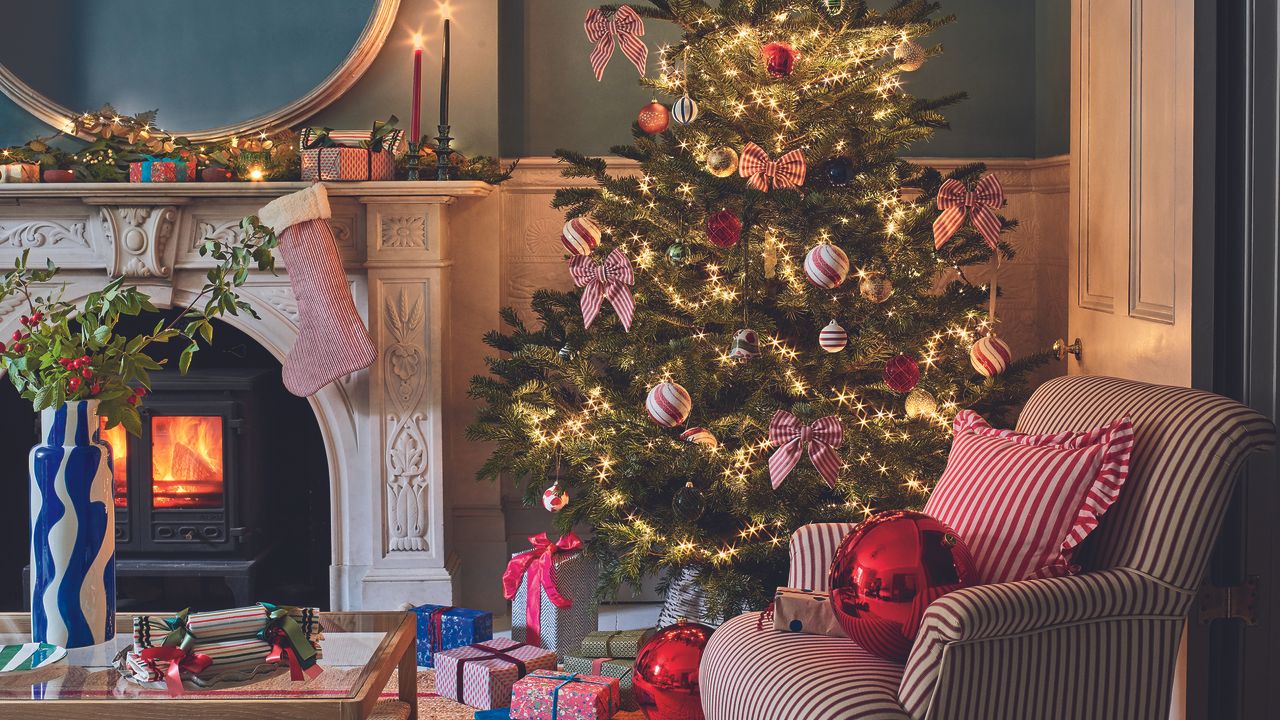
column 560, row 696
column 337, row 155
column 223, row 646
column 161, row 170
column 551, row 588
column 481, row 675
column 614, row 643
column 19, row 173
column 444, row 627
column 620, row 668
column 804, row 611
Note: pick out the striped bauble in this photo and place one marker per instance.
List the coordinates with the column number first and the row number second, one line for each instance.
column 668, row 404
column 700, row 436
column 990, row 356
column 833, row 338
column 684, row 110
column 826, row 266
column 580, row 236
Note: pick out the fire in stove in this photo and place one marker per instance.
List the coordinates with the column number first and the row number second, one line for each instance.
column 186, row 461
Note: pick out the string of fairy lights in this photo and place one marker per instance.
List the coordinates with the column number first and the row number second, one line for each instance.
column 588, row 431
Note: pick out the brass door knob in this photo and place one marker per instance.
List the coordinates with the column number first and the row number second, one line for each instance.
column 1061, row 349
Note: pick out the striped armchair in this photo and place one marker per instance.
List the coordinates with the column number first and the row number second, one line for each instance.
column 1101, row 644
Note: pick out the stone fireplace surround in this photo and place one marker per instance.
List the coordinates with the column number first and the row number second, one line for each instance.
column 384, row 428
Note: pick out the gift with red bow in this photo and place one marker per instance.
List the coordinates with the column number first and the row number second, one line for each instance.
column 206, row 649
column 551, row 588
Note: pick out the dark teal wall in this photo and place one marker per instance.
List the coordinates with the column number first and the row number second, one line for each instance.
column 1009, row 55
column 522, row 85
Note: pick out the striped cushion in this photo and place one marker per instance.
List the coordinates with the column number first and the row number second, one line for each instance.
column 1023, row 502
column 753, row 674
column 813, row 547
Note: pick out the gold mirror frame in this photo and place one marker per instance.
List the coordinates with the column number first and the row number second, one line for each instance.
column 367, row 47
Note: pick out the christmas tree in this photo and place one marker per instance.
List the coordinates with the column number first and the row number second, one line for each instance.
column 773, row 265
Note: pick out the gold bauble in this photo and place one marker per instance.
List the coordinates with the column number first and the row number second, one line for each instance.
column 875, row 287
column 722, row 161
column 921, row 404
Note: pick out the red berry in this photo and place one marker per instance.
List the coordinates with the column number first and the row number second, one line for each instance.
column 95, row 388
column 17, row 334
column 140, row 391
column 73, row 384
column 2, row 347
column 132, row 400
column 19, row 347
column 24, row 320
column 87, row 373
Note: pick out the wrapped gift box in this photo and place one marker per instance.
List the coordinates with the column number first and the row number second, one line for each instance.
column 804, row 611
column 441, row 627
column 19, row 173
column 557, row 696
column 620, row 668
column 482, row 675
column 347, row 155
column 614, row 643
column 574, row 577
column 161, row 171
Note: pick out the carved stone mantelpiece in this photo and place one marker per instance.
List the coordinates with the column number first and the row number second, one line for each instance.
column 383, row 427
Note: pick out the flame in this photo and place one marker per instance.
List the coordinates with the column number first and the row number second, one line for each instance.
column 118, row 439
column 186, row 461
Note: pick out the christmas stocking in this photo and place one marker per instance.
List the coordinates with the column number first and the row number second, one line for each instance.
column 332, row 340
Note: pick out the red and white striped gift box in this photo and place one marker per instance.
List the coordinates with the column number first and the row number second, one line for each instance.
column 481, row 675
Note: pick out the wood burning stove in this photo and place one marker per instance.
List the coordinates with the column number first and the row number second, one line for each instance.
column 189, row 484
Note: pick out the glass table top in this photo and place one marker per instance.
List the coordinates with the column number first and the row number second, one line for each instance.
column 89, row 673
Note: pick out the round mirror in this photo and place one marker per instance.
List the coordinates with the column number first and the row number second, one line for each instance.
column 211, row 69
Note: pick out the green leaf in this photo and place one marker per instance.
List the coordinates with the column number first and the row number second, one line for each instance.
column 101, row 334
column 184, row 360
column 206, row 331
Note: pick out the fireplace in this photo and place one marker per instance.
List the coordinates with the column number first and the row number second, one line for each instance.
column 189, row 484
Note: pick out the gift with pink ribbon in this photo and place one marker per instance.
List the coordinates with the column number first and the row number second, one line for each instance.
column 551, row 588
column 792, row 437
column 978, row 205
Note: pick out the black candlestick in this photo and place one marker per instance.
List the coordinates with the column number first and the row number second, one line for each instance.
column 444, row 156
column 414, row 159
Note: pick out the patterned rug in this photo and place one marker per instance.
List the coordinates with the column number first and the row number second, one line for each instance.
column 433, row 707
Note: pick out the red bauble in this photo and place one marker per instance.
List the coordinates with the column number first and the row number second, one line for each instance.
column 887, row 571
column 902, row 372
column 666, row 673
column 724, row 229
column 779, row 59
column 654, row 118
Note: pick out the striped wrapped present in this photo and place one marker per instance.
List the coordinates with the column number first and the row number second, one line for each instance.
column 620, row 668
column 482, row 675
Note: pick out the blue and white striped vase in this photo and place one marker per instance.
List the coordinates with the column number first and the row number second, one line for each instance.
column 73, row 540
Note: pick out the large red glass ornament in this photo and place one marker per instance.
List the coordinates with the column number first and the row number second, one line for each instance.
column 665, row 681
column 887, row 571
column 724, row 229
column 902, row 372
column 654, row 118
column 779, row 59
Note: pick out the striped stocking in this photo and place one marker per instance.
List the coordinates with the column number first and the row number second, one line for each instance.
column 332, row 339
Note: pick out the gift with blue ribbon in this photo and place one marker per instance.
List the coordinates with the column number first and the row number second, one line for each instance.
column 544, row 695
column 156, row 170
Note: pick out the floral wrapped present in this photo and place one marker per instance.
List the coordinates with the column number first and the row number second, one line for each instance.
column 227, row 645
column 329, row 155
column 481, row 675
column 614, row 643
column 804, row 611
column 620, row 668
column 444, row 627
column 559, row 696
column 550, row 588
column 157, row 170
column 19, row 173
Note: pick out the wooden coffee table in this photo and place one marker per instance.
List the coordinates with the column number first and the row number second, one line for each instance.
column 360, row 652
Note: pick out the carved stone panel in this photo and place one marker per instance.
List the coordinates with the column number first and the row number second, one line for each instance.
column 43, row 233
column 406, row 453
column 140, row 237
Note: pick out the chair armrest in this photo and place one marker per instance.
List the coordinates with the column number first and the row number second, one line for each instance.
column 1005, row 610
column 813, row 547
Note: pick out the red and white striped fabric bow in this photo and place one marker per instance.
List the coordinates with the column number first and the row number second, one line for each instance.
column 957, row 202
column 792, row 437
column 762, row 173
column 625, row 27
column 611, row 279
